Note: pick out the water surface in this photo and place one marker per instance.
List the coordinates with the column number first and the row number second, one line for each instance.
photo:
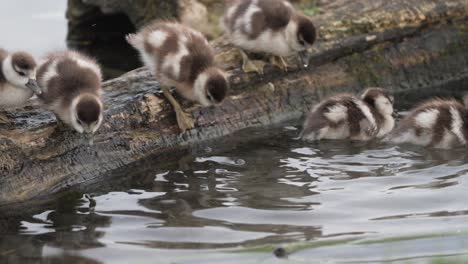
column 235, row 201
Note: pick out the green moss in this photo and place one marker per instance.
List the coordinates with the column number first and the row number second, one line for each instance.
column 310, row 7
column 459, row 44
column 296, row 246
column 463, row 29
column 450, row 260
column 363, row 71
column 399, row 239
column 455, row 48
column 311, row 11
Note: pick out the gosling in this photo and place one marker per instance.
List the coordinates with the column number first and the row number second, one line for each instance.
column 436, row 123
column 273, row 27
column 345, row 116
column 181, row 57
column 71, row 89
column 17, row 80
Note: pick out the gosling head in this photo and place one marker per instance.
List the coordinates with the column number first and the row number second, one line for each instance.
column 380, row 99
column 19, row 69
column 211, row 87
column 87, row 113
column 301, row 35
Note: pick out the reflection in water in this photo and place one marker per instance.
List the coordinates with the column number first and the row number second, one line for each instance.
column 276, row 191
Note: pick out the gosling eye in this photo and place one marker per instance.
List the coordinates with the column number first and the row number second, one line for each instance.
column 302, row 42
column 22, row 74
column 79, row 122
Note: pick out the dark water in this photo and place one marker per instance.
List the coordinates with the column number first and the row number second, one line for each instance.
column 235, row 201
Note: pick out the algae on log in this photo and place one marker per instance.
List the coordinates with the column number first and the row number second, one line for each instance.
column 420, row 46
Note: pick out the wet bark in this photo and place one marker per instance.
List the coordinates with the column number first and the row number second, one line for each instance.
column 416, row 48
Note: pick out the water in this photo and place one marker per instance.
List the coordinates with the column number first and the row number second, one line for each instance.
column 236, row 200
column 34, row 26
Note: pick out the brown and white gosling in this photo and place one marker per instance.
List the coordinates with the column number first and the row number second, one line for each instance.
column 345, row 116
column 181, row 57
column 269, row 26
column 17, row 80
column 436, row 123
column 71, row 89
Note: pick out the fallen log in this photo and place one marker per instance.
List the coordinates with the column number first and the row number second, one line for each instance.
column 413, row 47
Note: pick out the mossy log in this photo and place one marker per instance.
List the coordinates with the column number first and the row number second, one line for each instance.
column 413, row 47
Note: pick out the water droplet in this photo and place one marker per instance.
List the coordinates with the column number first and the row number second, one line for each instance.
column 240, row 162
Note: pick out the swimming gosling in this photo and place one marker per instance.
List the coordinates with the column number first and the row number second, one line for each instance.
column 345, row 116
column 436, row 123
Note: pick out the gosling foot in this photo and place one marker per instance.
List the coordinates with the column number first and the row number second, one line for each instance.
column 251, row 65
column 4, row 120
column 279, row 62
column 184, row 120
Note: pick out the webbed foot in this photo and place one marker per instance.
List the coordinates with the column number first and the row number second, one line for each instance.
column 279, row 62
column 250, row 65
column 4, row 119
column 184, row 120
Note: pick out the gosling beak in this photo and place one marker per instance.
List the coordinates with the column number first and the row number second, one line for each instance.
column 88, row 138
column 88, row 131
column 304, row 57
column 32, row 84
